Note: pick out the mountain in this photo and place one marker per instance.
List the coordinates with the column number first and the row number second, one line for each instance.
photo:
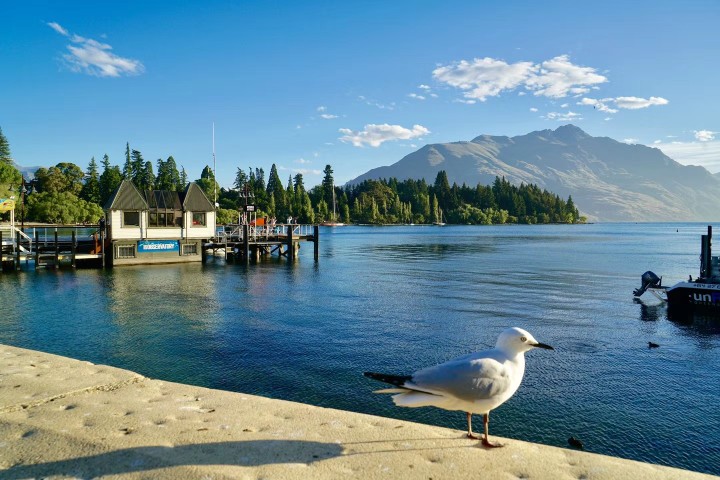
column 608, row 180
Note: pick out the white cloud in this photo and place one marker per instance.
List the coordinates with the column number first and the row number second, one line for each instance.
column 565, row 105
column 484, row 77
column 373, row 103
column 424, row 87
column 95, row 58
column 563, row 116
column 302, row 161
column 306, row 171
column 321, row 108
column 704, row 135
column 374, row 135
column 557, row 77
column 416, row 96
column 533, row 109
column 58, row 28
column 630, row 141
column 488, row 77
column 634, row 103
column 630, row 103
column 706, row 154
column 328, row 116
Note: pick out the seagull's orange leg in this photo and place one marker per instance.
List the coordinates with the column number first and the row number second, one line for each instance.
column 486, row 440
column 470, row 433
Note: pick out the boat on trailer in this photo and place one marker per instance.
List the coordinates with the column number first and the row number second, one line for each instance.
column 702, row 293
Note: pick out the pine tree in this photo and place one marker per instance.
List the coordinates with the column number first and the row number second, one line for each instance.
column 328, row 184
column 127, row 168
column 147, row 177
column 183, row 178
column 138, row 167
column 91, row 189
column 5, row 150
column 175, row 184
column 109, row 181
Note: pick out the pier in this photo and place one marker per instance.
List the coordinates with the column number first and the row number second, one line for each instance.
column 56, row 246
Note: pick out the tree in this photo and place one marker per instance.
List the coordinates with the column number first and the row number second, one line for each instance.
column 91, row 190
column 127, row 172
column 328, row 183
column 147, row 177
column 183, row 178
column 137, row 167
column 63, row 177
column 110, row 180
column 207, row 183
column 5, row 150
column 62, row 207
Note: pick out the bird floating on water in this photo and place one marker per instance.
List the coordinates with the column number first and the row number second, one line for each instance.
column 474, row 383
column 653, row 345
column 576, row 443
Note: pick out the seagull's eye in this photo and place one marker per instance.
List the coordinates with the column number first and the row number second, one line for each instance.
column 523, row 339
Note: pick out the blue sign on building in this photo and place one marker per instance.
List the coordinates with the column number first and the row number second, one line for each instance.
column 155, row 246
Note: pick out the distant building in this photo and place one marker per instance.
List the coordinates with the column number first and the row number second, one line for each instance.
column 158, row 226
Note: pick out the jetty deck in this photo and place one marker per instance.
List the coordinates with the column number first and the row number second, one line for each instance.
column 56, row 246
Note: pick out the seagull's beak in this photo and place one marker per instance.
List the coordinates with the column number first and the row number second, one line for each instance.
column 542, row 345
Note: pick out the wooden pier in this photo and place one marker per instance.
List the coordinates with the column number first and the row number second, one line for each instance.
column 243, row 242
column 71, row 246
column 48, row 248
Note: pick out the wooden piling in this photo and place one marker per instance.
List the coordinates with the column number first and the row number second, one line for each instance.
column 290, row 249
column 246, row 243
column 316, row 241
column 57, row 250
column 73, row 249
column 17, row 250
column 37, row 250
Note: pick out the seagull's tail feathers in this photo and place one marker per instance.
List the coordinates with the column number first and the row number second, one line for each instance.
column 397, row 380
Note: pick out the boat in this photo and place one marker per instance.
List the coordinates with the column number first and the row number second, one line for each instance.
column 701, row 293
column 333, row 222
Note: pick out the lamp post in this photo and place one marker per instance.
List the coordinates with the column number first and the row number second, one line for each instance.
column 23, row 191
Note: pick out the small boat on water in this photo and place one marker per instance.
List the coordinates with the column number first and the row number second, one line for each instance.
column 703, row 292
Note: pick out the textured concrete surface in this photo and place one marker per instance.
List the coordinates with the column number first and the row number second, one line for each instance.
column 64, row 418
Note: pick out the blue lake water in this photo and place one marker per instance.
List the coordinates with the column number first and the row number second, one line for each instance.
column 394, row 299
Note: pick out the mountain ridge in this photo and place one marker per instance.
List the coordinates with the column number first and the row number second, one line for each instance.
column 608, row 180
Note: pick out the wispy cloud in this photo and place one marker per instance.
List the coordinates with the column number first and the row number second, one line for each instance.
column 416, row 96
column 324, row 113
column 375, row 135
column 703, row 153
column 95, row 58
column 705, row 135
column 631, row 141
column 376, row 104
column 628, row 103
column 488, row 77
column 563, row 116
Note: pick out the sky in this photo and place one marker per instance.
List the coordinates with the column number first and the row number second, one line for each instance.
column 354, row 85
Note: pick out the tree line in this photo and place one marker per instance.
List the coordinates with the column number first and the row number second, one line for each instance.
column 65, row 193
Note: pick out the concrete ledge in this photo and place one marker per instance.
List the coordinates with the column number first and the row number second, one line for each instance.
column 64, row 418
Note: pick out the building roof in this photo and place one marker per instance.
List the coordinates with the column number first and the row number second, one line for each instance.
column 195, row 199
column 163, row 199
column 126, row 197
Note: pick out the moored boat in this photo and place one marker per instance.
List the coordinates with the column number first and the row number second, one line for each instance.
column 703, row 292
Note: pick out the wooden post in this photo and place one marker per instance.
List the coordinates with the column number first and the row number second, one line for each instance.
column 102, row 247
column 37, row 250
column 17, row 250
column 73, row 249
column 290, row 249
column 246, row 243
column 57, row 250
column 316, row 241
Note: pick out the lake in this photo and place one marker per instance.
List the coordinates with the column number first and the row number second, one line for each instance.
column 395, row 299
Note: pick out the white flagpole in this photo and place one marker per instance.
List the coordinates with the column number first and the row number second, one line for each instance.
column 214, row 173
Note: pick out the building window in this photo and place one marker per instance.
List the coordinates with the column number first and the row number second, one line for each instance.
column 164, row 218
column 198, row 219
column 190, row 249
column 125, row 251
column 131, row 219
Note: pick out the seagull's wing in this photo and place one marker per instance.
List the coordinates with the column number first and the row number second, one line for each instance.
column 469, row 378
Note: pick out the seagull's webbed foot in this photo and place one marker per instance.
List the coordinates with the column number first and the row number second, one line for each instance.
column 472, row 436
column 486, row 443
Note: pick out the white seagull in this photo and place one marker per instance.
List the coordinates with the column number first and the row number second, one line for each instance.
column 474, row 383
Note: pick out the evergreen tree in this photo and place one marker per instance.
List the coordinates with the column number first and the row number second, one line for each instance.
column 147, row 177
column 110, row 180
column 328, row 183
column 175, row 184
column 137, row 167
column 183, row 179
column 5, row 150
column 128, row 167
column 91, row 190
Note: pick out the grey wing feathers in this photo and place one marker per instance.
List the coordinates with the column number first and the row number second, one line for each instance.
column 464, row 378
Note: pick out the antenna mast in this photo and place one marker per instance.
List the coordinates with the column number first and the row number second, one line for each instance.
column 214, row 174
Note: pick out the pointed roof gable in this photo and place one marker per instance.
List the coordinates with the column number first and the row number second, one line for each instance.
column 163, row 199
column 195, row 200
column 126, row 197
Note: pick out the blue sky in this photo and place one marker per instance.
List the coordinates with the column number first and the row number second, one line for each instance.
column 356, row 85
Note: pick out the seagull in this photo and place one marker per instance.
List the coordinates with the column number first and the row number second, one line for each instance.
column 474, row 383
